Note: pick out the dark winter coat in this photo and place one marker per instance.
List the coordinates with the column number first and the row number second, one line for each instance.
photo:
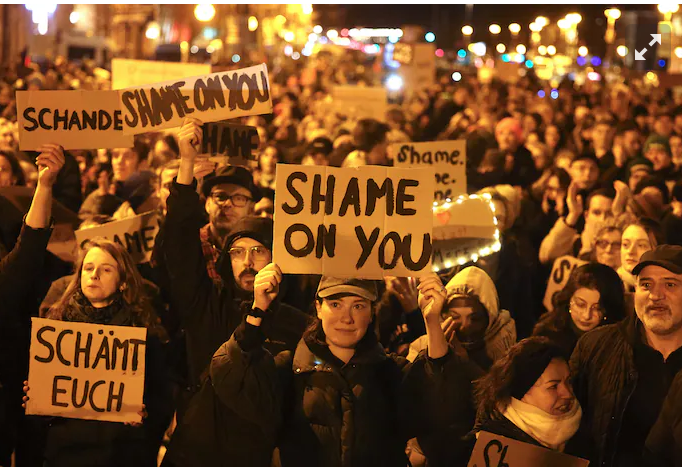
column 664, row 443
column 320, row 411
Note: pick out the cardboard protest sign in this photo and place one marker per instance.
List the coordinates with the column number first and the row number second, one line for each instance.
column 360, row 102
column 498, row 451
column 210, row 98
column 353, row 222
column 461, row 229
column 76, row 120
column 231, row 140
column 420, row 72
column 136, row 234
column 86, row 371
column 126, row 73
column 448, row 158
column 561, row 270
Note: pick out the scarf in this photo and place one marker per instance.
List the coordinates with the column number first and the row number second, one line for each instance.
column 81, row 310
column 551, row 431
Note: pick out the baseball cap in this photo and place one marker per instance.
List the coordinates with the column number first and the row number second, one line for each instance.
column 237, row 175
column 329, row 286
column 666, row 255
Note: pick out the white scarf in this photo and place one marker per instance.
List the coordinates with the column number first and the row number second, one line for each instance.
column 552, row 431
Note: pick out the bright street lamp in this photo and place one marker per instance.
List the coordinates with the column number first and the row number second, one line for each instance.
column 536, row 28
column 612, row 13
column 563, row 24
column 541, row 21
column 204, row 12
column 551, row 50
column 521, row 49
column 542, row 50
column 252, row 23
column 494, row 29
column 501, row 48
column 515, row 28
column 467, row 30
column 667, row 10
column 582, row 51
column 622, row 51
column 574, row 18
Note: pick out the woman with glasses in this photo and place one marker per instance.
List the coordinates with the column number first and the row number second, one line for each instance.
column 592, row 297
column 606, row 247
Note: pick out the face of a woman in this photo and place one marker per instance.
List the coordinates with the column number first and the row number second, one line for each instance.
column 635, row 242
column 99, row 277
column 6, row 177
column 345, row 320
column 585, row 310
column 268, row 160
column 552, row 136
column 552, row 392
column 607, row 249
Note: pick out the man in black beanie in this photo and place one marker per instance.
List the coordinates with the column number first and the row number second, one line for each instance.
column 210, row 311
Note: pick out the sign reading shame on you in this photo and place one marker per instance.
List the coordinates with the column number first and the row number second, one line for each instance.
column 76, row 120
column 448, row 158
column 362, row 222
column 86, row 371
column 210, row 98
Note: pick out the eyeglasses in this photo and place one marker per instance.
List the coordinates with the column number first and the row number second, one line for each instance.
column 580, row 309
column 604, row 244
column 238, row 200
column 258, row 253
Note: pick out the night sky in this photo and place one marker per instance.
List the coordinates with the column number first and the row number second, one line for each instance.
column 447, row 20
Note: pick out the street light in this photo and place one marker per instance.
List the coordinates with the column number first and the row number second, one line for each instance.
column 667, row 9
column 678, row 52
column 501, row 48
column 467, row 30
column 204, row 12
column 74, row 17
column 307, row 8
column 622, row 51
column 515, row 28
column 494, row 29
column 289, row 36
column 582, row 51
column 574, row 18
column 551, row 50
column 563, row 24
column 542, row 50
column 612, row 13
column 252, row 23
column 153, row 31
column 541, row 21
column 521, row 49
column 534, row 27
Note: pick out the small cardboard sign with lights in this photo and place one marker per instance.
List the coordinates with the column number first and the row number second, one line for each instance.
column 363, row 222
column 448, row 158
column 464, row 230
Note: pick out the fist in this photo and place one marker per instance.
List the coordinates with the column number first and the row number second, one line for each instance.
column 190, row 138
column 432, row 295
column 266, row 286
column 50, row 162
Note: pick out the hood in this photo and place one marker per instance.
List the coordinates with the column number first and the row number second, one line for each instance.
column 512, row 202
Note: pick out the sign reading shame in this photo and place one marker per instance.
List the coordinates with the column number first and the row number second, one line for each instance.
column 210, row 98
column 233, row 140
column 126, row 73
column 136, row 234
column 499, row 451
column 76, row 120
column 353, row 222
column 448, row 158
column 86, row 371
column 562, row 269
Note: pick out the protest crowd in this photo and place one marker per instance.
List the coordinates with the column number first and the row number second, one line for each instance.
column 567, row 337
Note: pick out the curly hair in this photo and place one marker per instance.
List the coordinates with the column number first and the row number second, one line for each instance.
column 495, row 389
column 70, row 306
column 594, row 276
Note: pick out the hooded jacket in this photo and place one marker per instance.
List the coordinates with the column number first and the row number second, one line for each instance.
column 501, row 331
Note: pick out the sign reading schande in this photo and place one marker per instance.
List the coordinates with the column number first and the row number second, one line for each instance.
column 210, row 98
column 86, row 371
column 353, row 222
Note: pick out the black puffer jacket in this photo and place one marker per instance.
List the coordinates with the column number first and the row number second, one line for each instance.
column 322, row 412
column 604, row 379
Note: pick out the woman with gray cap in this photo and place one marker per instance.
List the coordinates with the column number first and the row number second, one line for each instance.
column 339, row 400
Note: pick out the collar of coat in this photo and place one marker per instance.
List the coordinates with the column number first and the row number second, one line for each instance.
column 314, row 355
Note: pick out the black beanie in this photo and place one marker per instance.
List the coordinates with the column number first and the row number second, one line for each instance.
column 257, row 228
column 533, row 355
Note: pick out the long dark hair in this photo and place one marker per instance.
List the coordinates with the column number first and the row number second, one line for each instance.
column 594, row 276
column 17, row 171
column 72, row 306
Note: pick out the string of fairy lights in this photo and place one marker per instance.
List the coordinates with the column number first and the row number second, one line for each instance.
column 495, row 246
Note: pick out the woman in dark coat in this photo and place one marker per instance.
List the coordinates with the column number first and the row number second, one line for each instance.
column 592, row 297
column 527, row 396
column 108, row 289
column 339, row 400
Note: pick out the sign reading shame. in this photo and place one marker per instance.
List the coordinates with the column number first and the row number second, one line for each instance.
column 362, row 222
column 499, row 451
column 86, row 371
column 232, row 140
column 448, row 158
column 210, row 98
column 136, row 234
column 126, row 73
column 76, row 120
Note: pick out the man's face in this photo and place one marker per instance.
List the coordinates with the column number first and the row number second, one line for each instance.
column 631, row 143
column 663, row 125
column 167, row 176
column 676, row 150
column 584, row 173
column 7, row 141
column 264, row 208
column 6, row 176
column 658, row 156
column 552, row 136
column 599, row 209
column 635, row 177
column 678, row 122
column 125, row 162
column 658, row 300
column 227, row 204
column 506, row 139
column 248, row 257
column 601, row 137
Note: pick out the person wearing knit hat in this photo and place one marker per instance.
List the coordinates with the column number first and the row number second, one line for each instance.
column 509, row 134
column 657, row 150
column 637, row 169
column 527, row 396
